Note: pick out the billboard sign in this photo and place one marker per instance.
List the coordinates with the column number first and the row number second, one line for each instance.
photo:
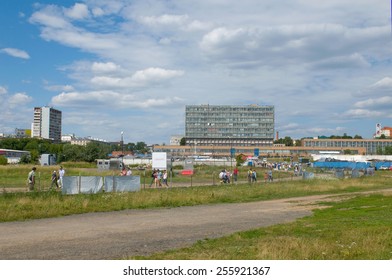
column 159, row 160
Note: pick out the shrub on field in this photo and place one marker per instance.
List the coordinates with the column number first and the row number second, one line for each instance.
column 3, row 160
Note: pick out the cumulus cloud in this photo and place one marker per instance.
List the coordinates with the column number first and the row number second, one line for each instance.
column 290, row 44
column 19, row 99
column 3, row 90
column 104, row 67
column 56, row 27
column 15, row 53
column 50, row 17
column 78, row 11
column 146, row 77
column 164, row 20
column 382, row 102
column 110, row 100
column 363, row 114
column 59, row 88
column 383, row 83
column 155, row 75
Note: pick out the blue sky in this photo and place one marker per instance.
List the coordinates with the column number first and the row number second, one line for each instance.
column 133, row 65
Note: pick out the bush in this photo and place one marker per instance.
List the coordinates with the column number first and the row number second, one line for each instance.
column 3, row 160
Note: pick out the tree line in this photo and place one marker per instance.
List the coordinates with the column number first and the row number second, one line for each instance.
column 66, row 151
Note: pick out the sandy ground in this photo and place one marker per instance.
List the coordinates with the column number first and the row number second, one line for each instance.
column 115, row 235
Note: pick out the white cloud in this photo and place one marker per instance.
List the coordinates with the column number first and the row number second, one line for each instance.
column 60, row 88
column 383, row 83
column 292, row 44
column 19, row 99
column 104, row 67
column 142, row 78
column 155, row 75
column 382, row 102
column 111, row 100
column 50, row 17
column 15, row 53
column 78, row 11
column 164, row 20
column 3, row 90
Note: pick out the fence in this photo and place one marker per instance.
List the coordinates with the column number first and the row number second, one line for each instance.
column 341, row 164
column 97, row 184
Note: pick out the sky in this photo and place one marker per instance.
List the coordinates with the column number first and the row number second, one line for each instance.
column 132, row 66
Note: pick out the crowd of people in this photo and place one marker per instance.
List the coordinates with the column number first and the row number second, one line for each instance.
column 56, row 179
column 159, row 178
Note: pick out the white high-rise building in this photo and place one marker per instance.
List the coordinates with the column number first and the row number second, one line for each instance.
column 47, row 123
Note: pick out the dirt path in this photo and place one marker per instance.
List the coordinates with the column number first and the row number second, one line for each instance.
column 115, row 235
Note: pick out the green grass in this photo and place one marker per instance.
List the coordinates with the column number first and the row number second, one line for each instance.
column 357, row 229
column 15, row 176
column 35, row 205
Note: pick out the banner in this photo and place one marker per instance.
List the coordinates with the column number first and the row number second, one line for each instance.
column 159, row 160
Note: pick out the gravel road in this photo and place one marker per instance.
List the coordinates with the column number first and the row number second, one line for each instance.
column 115, row 235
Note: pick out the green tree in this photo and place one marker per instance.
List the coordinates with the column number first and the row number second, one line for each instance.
column 92, row 152
column 25, row 159
column 3, row 160
column 73, row 152
column 141, row 147
column 388, row 150
column 131, row 147
column 183, row 141
column 32, row 145
column 239, row 159
column 34, row 156
column 347, row 152
column 287, row 141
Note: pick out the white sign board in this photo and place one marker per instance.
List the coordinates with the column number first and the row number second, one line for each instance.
column 159, row 161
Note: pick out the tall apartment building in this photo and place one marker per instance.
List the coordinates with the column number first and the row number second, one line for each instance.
column 47, row 123
column 251, row 125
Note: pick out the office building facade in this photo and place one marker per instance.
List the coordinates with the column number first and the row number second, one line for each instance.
column 222, row 125
column 47, row 123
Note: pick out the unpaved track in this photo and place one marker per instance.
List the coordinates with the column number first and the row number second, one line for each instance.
column 115, row 235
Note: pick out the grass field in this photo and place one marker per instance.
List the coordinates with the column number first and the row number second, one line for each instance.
column 360, row 228
column 15, row 176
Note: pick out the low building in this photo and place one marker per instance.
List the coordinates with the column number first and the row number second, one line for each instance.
column 264, row 151
column 13, row 156
column 369, row 146
column 386, row 131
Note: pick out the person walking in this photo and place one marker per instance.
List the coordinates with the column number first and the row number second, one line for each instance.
column 235, row 175
column 254, row 176
column 270, row 178
column 61, row 175
column 250, row 173
column 31, row 179
column 54, row 180
column 164, row 178
column 158, row 179
column 153, row 177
